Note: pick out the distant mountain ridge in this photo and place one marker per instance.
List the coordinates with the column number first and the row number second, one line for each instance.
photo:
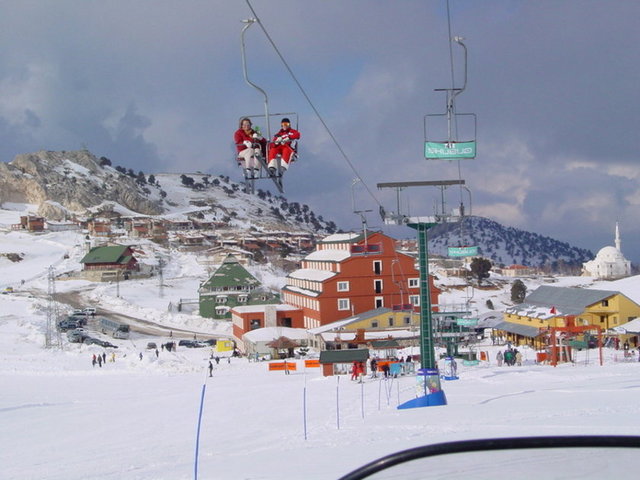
column 507, row 245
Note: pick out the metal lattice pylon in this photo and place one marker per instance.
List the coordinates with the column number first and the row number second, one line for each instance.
column 52, row 334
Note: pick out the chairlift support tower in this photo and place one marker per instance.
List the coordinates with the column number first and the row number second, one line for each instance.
column 422, row 225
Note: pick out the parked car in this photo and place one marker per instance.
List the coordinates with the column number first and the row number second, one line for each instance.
column 77, row 335
column 82, row 320
column 104, row 343
column 97, row 341
column 89, row 311
column 151, row 346
column 68, row 324
column 8, row 290
column 192, row 344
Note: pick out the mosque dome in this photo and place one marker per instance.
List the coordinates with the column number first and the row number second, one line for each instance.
column 609, row 254
column 609, row 263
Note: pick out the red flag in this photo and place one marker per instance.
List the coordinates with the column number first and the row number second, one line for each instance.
column 553, row 310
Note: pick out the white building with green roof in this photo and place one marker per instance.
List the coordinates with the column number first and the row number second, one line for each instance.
column 229, row 286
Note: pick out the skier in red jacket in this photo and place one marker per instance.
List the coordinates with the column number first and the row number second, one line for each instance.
column 285, row 144
column 250, row 145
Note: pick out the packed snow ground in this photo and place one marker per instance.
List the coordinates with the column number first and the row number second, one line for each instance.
column 63, row 418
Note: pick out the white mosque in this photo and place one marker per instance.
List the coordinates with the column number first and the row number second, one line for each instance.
column 609, row 263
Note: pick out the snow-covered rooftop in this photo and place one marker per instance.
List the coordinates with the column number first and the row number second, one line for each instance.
column 340, row 237
column 328, row 255
column 271, row 333
column 312, row 274
column 280, row 307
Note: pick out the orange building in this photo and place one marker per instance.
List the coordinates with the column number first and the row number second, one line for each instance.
column 349, row 274
column 251, row 317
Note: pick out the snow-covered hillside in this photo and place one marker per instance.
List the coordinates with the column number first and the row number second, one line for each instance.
column 64, row 185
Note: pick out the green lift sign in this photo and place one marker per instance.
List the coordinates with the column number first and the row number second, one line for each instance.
column 449, row 150
column 462, row 251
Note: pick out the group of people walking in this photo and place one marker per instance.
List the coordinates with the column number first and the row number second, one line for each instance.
column 99, row 359
column 510, row 357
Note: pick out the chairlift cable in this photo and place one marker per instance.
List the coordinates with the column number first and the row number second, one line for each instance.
column 311, row 104
column 461, row 229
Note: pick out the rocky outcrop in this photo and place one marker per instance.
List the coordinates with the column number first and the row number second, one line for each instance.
column 74, row 180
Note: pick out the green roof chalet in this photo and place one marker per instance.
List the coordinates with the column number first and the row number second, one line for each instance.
column 229, row 286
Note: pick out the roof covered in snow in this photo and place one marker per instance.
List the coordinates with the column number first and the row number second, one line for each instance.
column 328, row 255
column 312, row 274
column 271, row 333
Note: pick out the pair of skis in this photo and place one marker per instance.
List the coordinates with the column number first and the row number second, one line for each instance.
column 276, row 176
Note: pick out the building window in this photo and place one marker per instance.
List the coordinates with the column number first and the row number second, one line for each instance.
column 285, row 322
column 407, row 320
column 391, row 321
column 343, row 304
column 414, row 282
column 221, row 299
column 377, row 285
column 254, row 324
column 602, row 318
column 605, row 303
column 222, row 310
column 379, row 302
column 377, row 267
column 374, row 324
column 343, row 286
column 242, row 298
column 414, row 300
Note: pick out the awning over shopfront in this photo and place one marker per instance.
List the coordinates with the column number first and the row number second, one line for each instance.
column 518, row 329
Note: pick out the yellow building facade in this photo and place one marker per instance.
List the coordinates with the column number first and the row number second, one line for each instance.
column 549, row 307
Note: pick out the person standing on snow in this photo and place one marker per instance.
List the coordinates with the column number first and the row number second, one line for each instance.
column 250, row 145
column 499, row 358
column 285, row 144
column 354, row 370
column 210, row 369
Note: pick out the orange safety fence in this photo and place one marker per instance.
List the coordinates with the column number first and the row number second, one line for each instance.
column 274, row 366
column 381, row 363
column 312, row 363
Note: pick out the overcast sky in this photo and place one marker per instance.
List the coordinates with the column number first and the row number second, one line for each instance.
column 158, row 86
